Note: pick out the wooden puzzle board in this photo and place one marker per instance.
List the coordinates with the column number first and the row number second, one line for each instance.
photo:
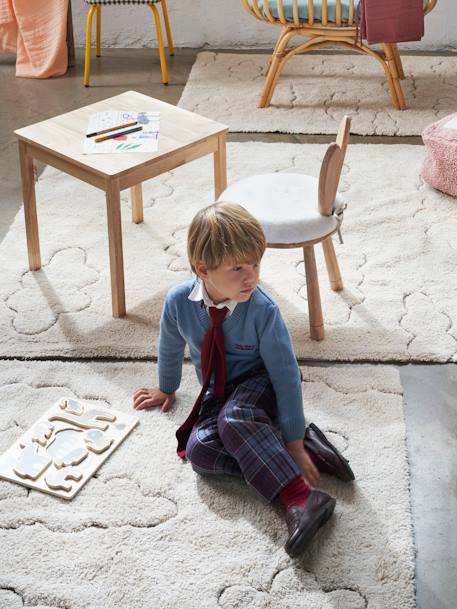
column 65, row 447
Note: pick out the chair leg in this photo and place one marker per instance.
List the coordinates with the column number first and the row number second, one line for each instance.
column 316, row 322
column 398, row 63
column 90, row 14
column 163, row 61
column 278, row 60
column 396, row 92
column 267, row 67
column 171, row 48
column 99, row 30
column 331, row 262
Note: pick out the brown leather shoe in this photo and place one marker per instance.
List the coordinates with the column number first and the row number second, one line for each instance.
column 325, row 456
column 304, row 522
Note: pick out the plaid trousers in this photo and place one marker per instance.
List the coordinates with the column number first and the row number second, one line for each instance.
column 240, row 437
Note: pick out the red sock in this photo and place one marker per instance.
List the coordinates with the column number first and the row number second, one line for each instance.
column 295, row 493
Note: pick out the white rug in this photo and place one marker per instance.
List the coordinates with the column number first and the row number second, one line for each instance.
column 148, row 532
column 315, row 91
column 398, row 262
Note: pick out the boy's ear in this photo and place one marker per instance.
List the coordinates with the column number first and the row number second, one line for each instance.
column 202, row 270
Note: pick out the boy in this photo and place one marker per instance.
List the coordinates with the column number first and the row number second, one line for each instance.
column 248, row 419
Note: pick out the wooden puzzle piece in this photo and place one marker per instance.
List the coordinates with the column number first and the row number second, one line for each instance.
column 42, row 432
column 74, row 457
column 96, row 441
column 65, row 440
column 88, row 420
column 57, row 479
column 27, row 441
column 31, row 464
column 72, row 406
column 102, row 415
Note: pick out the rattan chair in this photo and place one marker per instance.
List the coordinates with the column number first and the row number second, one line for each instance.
column 325, row 23
column 96, row 7
column 298, row 210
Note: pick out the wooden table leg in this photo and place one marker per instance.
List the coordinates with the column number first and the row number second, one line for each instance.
column 220, row 167
column 116, row 261
column 28, row 195
column 136, row 198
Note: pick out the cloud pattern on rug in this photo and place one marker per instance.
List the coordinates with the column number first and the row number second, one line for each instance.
column 58, row 287
column 13, row 599
column 398, row 258
column 291, row 587
column 160, row 189
column 315, row 91
column 150, row 532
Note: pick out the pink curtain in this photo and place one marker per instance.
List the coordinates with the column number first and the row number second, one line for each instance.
column 391, row 20
column 37, row 31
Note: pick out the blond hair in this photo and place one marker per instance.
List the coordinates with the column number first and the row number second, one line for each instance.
column 224, row 232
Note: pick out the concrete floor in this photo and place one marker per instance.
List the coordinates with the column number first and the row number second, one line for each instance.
column 429, row 390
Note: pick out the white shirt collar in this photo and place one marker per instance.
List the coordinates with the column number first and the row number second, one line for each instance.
column 199, row 293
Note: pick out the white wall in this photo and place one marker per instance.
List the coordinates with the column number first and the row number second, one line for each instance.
column 225, row 24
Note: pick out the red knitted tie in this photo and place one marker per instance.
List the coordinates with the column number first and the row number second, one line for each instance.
column 212, row 360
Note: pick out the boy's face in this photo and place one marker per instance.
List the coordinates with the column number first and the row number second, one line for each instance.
column 230, row 281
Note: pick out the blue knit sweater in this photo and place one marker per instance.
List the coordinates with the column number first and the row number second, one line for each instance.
column 254, row 333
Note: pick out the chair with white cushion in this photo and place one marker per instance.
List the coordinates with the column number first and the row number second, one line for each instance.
column 96, row 8
column 299, row 211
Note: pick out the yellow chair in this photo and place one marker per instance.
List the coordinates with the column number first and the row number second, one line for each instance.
column 324, row 23
column 96, row 7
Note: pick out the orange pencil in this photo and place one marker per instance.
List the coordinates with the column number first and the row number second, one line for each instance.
column 111, row 136
column 111, row 129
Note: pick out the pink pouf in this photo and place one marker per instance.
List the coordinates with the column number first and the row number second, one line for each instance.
column 440, row 165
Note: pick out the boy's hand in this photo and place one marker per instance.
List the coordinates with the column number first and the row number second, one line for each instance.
column 304, row 461
column 148, row 398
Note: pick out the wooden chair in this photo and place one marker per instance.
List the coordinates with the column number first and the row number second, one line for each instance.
column 96, row 7
column 324, row 23
column 297, row 210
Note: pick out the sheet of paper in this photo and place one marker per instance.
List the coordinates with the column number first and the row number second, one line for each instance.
column 146, row 140
column 452, row 124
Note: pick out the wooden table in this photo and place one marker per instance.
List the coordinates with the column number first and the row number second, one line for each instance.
column 184, row 137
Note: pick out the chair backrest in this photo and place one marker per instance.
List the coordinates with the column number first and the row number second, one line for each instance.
column 340, row 13
column 297, row 13
column 331, row 167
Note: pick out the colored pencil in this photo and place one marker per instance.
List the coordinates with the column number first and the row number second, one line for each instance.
column 111, row 129
column 113, row 135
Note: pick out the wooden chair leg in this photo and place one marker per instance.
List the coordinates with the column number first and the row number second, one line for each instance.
column 331, row 262
column 278, row 60
column 90, row 14
column 99, row 30
column 136, row 197
column 316, row 322
column 171, row 49
column 267, row 67
column 396, row 92
column 163, row 61
column 398, row 62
